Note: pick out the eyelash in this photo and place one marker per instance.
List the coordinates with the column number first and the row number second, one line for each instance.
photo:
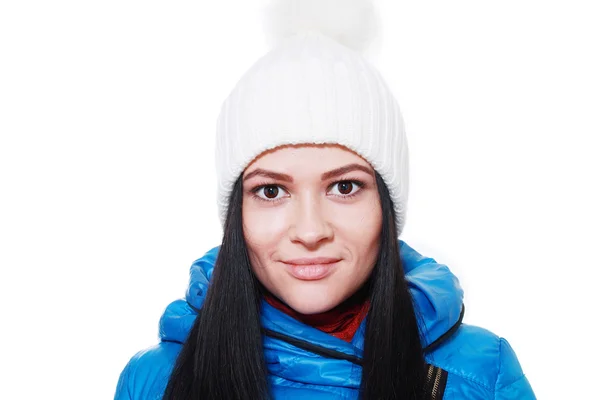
column 254, row 191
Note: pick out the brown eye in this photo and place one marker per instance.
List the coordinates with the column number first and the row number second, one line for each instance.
column 271, row 192
column 345, row 187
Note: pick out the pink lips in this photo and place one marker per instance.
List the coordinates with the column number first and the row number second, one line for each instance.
column 310, row 269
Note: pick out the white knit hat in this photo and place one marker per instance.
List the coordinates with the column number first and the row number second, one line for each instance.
column 313, row 87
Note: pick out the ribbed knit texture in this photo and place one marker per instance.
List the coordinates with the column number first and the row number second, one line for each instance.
column 312, row 89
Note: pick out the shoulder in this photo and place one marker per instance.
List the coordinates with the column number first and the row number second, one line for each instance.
column 481, row 359
column 146, row 374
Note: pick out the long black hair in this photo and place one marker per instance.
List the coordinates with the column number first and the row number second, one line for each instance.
column 222, row 357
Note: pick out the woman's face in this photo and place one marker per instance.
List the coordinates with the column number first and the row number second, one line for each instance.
column 302, row 202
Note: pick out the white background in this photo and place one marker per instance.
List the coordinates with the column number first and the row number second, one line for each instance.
column 107, row 118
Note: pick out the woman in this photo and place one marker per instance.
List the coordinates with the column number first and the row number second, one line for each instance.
column 311, row 294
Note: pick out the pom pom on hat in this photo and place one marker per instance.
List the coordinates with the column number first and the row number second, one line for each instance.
column 353, row 23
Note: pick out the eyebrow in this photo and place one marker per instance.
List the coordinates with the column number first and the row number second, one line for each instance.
column 326, row 175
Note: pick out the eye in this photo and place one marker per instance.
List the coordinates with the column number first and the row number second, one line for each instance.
column 347, row 188
column 269, row 192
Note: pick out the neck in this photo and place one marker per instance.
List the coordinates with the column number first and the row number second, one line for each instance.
column 341, row 321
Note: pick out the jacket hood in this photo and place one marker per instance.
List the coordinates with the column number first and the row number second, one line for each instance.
column 437, row 295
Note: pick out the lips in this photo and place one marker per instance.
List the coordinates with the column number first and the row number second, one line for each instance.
column 312, row 261
column 310, row 269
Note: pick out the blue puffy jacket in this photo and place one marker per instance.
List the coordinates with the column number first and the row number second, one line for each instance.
column 470, row 362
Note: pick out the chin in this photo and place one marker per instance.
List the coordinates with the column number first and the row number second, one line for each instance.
column 310, row 310
column 307, row 304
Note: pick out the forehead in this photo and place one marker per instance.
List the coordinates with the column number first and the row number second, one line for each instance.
column 306, row 159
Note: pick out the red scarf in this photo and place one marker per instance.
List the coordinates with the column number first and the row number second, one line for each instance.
column 342, row 321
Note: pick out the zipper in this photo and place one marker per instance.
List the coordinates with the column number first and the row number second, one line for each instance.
column 436, row 382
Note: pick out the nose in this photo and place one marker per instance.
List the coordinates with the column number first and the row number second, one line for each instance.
column 310, row 225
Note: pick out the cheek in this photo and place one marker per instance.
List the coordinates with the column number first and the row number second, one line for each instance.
column 263, row 225
column 359, row 228
column 360, row 221
column 264, row 229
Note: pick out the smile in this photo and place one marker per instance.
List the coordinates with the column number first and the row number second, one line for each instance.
column 311, row 272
